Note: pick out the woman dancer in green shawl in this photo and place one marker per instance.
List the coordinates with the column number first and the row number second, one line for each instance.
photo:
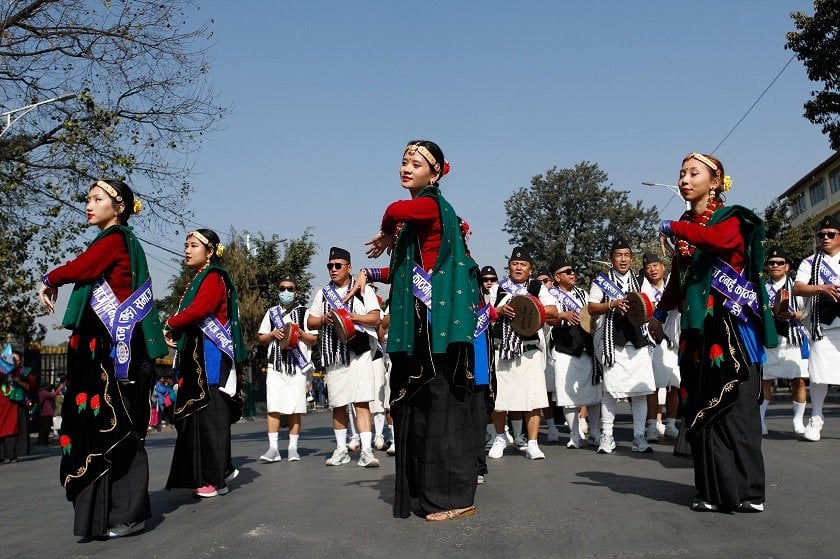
column 110, row 367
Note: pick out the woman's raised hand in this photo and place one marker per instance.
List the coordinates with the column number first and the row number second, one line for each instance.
column 358, row 286
column 48, row 295
column 379, row 244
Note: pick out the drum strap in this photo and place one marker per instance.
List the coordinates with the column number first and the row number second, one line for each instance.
column 287, row 360
column 121, row 318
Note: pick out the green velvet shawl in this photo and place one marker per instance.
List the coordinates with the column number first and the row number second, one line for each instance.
column 455, row 286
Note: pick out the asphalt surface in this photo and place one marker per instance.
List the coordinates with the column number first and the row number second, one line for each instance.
column 575, row 503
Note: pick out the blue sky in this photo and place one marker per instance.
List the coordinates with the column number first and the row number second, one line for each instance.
column 324, row 96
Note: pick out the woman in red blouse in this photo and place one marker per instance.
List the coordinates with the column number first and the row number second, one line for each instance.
column 722, row 336
column 439, row 415
column 206, row 333
column 104, row 466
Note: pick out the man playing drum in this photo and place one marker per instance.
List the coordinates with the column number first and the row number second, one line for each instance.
column 348, row 334
column 523, row 306
column 622, row 348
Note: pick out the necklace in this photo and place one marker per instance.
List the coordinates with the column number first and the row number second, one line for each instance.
column 187, row 288
column 684, row 247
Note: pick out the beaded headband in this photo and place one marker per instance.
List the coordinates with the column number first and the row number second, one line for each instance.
column 206, row 242
column 703, row 159
column 110, row 190
column 411, row 149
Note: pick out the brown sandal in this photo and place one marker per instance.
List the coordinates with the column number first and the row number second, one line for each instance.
column 451, row 514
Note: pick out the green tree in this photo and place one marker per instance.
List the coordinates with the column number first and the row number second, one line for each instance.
column 137, row 71
column 796, row 240
column 816, row 43
column 577, row 213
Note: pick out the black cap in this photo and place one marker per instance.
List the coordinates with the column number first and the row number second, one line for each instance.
column 521, row 253
column 619, row 244
column 489, row 271
column 337, row 253
column 776, row 252
column 560, row 263
column 829, row 222
column 543, row 272
column 649, row 258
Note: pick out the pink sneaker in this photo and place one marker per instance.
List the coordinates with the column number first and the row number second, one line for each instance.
column 206, row 491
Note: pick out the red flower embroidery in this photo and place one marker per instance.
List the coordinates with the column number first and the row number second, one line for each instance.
column 93, row 345
column 94, row 404
column 716, row 355
column 81, row 401
column 180, row 383
column 710, row 305
column 66, row 444
column 74, row 341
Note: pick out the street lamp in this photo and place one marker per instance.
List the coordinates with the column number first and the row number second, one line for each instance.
column 22, row 111
column 673, row 188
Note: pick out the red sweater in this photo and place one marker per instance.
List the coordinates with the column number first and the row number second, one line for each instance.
column 423, row 213
column 211, row 298
column 106, row 257
column 723, row 239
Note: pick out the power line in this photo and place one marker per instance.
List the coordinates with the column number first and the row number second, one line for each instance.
column 766, row 89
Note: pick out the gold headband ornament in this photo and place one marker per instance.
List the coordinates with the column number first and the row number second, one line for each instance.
column 427, row 155
column 220, row 248
column 112, row 192
column 726, row 183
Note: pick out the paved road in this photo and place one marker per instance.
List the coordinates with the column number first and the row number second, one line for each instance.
column 575, row 503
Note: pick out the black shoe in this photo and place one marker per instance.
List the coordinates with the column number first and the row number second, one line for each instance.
column 750, row 506
column 699, row 505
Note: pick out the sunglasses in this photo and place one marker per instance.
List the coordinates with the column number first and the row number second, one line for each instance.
column 826, row 234
column 776, row 262
column 489, row 279
column 546, row 280
column 569, row 272
column 290, row 289
column 335, row 266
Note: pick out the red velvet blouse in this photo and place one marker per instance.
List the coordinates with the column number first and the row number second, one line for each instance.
column 106, row 257
column 424, row 214
column 211, row 298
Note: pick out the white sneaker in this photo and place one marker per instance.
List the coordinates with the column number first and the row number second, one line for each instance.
column 293, row 454
column 232, row 475
column 553, row 435
column 508, row 436
column 480, row 480
column 354, row 444
column 640, row 444
column 812, row 430
column 798, row 427
column 671, row 431
column 272, row 455
column 606, row 445
column 392, row 450
column 498, row 448
column 533, row 452
column 367, row 459
column 574, row 442
column 339, row 457
column 651, row 433
column 125, row 529
column 521, row 442
column 379, row 442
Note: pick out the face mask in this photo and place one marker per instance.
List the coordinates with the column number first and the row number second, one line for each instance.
column 286, row 297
